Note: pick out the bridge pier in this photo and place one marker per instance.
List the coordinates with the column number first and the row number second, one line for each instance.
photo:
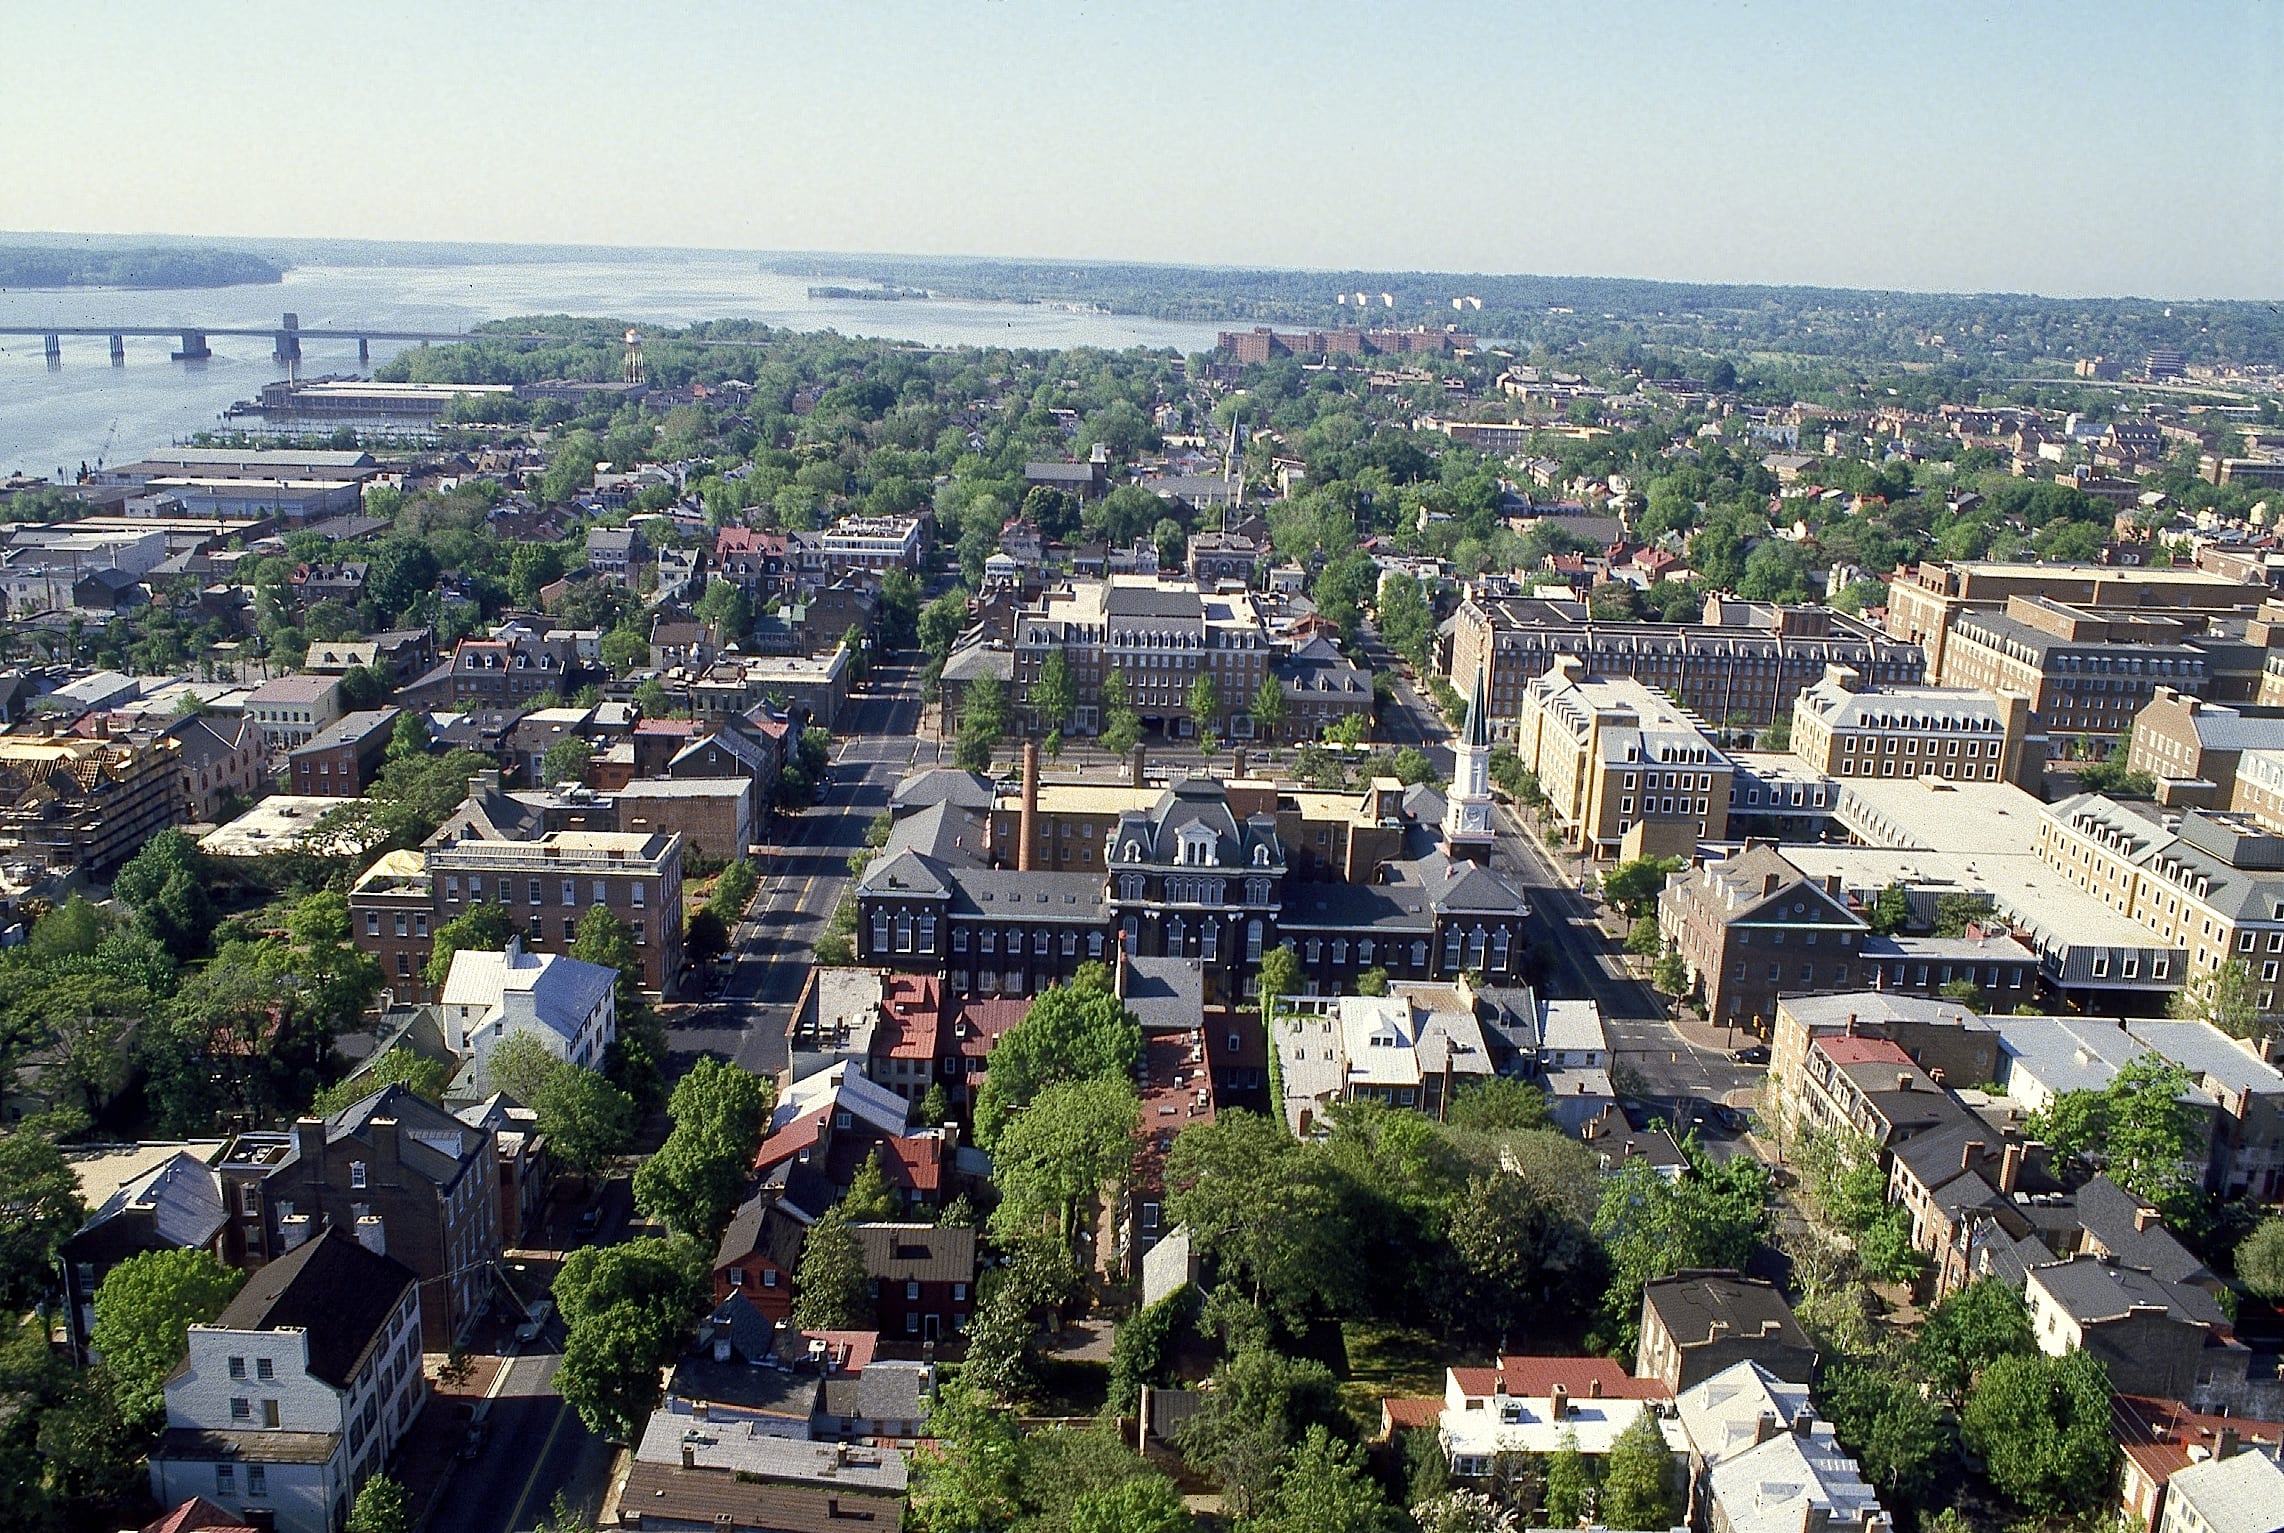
column 55, row 350
column 118, row 351
column 364, row 352
column 194, row 347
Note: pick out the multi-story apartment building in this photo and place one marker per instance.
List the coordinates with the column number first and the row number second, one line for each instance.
column 1925, row 600
column 67, row 802
column 299, row 1391
column 1842, row 728
column 1613, row 755
column 2213, row 885
column 2086, row 671
column 875, row 543
column 1746, row 661
column 1160, row 636
column 222, row 756
column 615, row 553
column 291, row 709
column 1198, row 870
column 2193, row 747
column 547, row 884
column 393, row 1171
column 1753, row 927
column 2259, row 787
column 342, row 760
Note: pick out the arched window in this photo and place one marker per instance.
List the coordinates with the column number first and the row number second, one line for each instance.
column 928, row 933
column 1475, row 942
column 1364, row 952
column 880, row 931
column 904, row 931
column 1419, row 955
column 1499, row 948
column 1174, row 935
column 1253, row 941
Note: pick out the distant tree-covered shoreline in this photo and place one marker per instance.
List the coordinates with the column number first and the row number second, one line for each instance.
column 30, row 266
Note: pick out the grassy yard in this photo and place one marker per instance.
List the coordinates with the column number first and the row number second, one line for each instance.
column 1391, row 1360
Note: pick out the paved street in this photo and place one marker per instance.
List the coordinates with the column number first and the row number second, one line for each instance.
column 803, row 875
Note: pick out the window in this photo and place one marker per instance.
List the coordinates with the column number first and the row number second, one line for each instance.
column 249, row 1199
column 226, row 1477
column 769, row 1278
column 737, row 1277
column 911, row 1290
column 263, row 1369
column 635, row 890
column 257, row 1480
column 237, row 1367
column 269, row 1413
column 373, row 923
column 570, row 891
column 241, row 1408
column 912, row 1324
column 357, row 1173
column 602, row 892
column 534, row 891
column 959, row 939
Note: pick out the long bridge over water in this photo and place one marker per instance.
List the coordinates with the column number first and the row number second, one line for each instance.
column 286, row 337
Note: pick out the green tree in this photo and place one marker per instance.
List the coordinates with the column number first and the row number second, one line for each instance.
column 1078, row 1031
column 1204, row 703
column 2228, row 997
column 1406, row 622
column 1890, row 912
column 831, row 1289
column 1498, row 1104
column 1324, row 1488
column 870, row 1198
column 165, row 886
column 982, row 725
column 481, row 928
column 966, row 1475
column 566, row 760
column 1569, row 1484
column 1261, row 1404
column 2260, row 1259
column 1272, row 1217
column 1075, row 1136
column 727, row 610
column 40, row 1197
column 424, row 1077
column 2140, row 1130
column 1373, row 981
column 941, row 623
column 1970, row 1330
column 587, row 1120
column 700, row 1172
column 1638, row 1478
column 2041, row 1426
column 625, row 650
column 1643, row 939
column 1268, row 708
column 627, row 1309
column 1148, row 1503
column 380, row 1508
column 1634, row 886
column 1054, row 694
column 1883, row 1417
column 1670, row 974
column 1713, row 1216
column 143, row 1314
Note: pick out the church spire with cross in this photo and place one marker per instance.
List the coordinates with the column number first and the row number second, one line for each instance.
column 1467, row 828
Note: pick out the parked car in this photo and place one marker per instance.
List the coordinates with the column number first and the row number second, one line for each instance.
column 1755, row 1054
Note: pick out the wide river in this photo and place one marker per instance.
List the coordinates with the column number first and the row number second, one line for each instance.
column 52, row 419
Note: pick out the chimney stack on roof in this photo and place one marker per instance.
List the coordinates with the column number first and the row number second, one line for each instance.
column 1558, row 1402
column 1969, row 1153
column 2010, row 1169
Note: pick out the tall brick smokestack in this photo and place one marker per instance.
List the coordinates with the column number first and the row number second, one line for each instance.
column 1027, row 829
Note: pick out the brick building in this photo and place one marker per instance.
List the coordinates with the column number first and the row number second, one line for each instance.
column 341, row 760
column 394, row 1172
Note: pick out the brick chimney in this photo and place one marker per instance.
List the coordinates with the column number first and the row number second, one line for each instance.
column 1969, row 1153
column 1134, row 776
column 383, row 1132
column 2010, row 1169
column 2143, row 1218
column 1027, row 828
column 2226, row 1443
column 1237, row 762
column 1558, row 1403
column 309, row 1144
column 1769, row 881
column 1804, row 1423
column 1767, row 1427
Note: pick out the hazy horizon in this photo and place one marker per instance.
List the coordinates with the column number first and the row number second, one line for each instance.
column 2095, row 150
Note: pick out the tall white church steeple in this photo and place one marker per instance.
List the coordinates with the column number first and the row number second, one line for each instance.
column 1467, row 828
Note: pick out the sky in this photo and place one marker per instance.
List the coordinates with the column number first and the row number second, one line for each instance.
column 2080, row 148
